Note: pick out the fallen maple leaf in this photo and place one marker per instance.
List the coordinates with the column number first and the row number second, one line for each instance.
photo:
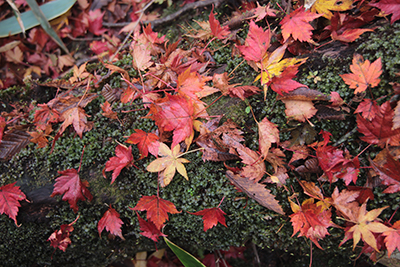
column 3, row 125
column 368, row 109
column 299, row 110
column 392, row 238
column 45, row 115
column 10, row 195
column 14, row 55
column 146, row 142
column 221, row 82
column 365, row 224
column 95, row 20
column 111, row 222
column 215, row 143
column 149, row 229
column 387, row 167
column 379, row 130
column 60, row 238
column 211, row 217
column 261, row 12
column 296, row 24
column 157, row 209
column 108, row 112
column 256, row 191
column 141, row 56
column 396, row 117
column 389, row 7
column 311, row 220
column 363, row 74
column 326, row 6
column 174, row 113
column 268, row 133
column 349, row 35
column 168, row 164
column 72, row 187
column 256, row 44
column 123, row 158
column 216, row 29
column 40, row 138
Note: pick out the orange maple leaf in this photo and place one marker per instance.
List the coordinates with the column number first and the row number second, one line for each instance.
column 268, row 133
column 363, row 74
column 365, row 224
column 297, row 25
column 157, row 209
column 146, row 142
column 311, row 220
column 392, row 238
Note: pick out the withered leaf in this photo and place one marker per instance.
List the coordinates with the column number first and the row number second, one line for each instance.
column 256, row 191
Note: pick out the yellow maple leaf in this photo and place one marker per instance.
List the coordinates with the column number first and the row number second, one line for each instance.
column 326, row 6
column 167, row 165
column 366, row 225
column 273, row 65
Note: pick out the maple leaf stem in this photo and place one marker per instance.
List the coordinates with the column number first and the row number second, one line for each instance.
column 80, row 163
column 75, row 220
column 310, row 253
column 198, row 113
column 362, row 151
column 202, row 51
column 252, row 112
column 230, row 73
column 167, row 84
column 87, row 89
column 187, row 152
column 221, row 202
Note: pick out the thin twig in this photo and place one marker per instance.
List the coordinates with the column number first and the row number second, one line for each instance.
column 130, row 33
column 171, row 17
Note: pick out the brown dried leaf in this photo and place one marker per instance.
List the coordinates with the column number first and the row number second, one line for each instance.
column 256, row 191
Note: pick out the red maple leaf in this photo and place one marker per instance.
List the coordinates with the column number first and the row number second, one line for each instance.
column 111, row 222
column 216, row 29
column 95, row 19
column 60, row 238
column 157, row 209
column 123, row 158
column 44, row 116
column 211, row 217
column 368, row 109
column 335, row 164
column 388, row 169
column 9, row 197
column 174, row 113
column 72, row 187
column 379, row 130
column 311, row 220
column 221, row 81
column 392, row 238
column 256, row 44
column 146, row 142
column 284, row 83
column 149, row 229
column 297, row 24
column 389, row 7
column 364, row 74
